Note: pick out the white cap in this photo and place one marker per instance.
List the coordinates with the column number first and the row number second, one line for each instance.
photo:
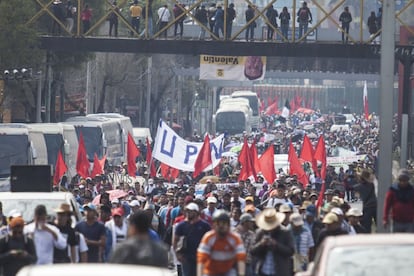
column 192, row 206
column 296, row 219
column 134, row 203
column 337, row 211
column 115, row 201
column 14, row 214
column 212, row 199
column 150, row 181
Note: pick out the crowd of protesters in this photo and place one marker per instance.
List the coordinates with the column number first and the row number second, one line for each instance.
column 226, row 226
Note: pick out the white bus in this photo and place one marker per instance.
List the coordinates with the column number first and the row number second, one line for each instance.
column 59, row 137
column 102, row 136
column 254, row 105
column 124, row 123
column 19, row 145
column 232, row 119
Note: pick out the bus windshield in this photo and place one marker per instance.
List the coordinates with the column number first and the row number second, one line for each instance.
column 230, row 122
column 54, row 142
column 93, row 140
column 13, row 151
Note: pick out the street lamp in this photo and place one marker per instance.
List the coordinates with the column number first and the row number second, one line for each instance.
column 25, row 74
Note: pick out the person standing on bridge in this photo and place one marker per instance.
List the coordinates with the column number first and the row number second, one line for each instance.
column 201, row 16
column 304, row 18
column 345, row 18
column 178, row 11
column 86, row 16
column 163, row 18
column 136, row 12
column 113, row 19
column 219, row 21
column 284, row 17
column 251, row 25
column 271, row 15
column 231, row 15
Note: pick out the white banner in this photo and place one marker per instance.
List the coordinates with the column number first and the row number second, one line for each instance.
column 171, row 149
column 236, row 68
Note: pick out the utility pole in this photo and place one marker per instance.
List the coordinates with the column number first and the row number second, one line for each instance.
column 39, row 98
column 386, row 104
column 149, row 81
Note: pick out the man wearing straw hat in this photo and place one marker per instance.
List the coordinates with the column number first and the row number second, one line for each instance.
column 274, row 245
column 63, row 223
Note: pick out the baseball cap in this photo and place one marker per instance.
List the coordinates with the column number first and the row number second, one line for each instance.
column 192, row 207
column 311, row 211
column 296, row 219
column 115, row 201
column 250, row 208
column 246, row 217
column 134, row 203
column 354, row 212
column 89, row 206
column 211, row 199
column 337, row 211
column 117, row 212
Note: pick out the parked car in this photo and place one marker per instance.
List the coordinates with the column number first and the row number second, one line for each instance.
column 92, row 269
column 26, row 202
column 363, row 254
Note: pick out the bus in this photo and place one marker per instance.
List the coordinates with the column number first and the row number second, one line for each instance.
column 232, row 119
column 124, row 123
column 19, row 145
column 102, row 136
column 254, row 105
column 59, row 137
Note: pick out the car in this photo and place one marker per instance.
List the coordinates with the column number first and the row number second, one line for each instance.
column 92, row 269
column 363, row 254
column 26, row 202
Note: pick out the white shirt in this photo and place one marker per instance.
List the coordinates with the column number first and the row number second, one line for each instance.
column 45, row 242
column 164, row 14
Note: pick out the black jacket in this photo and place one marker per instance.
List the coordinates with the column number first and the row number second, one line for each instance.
column 282, row 252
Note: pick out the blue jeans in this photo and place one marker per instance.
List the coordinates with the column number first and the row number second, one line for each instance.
column 303, row 29
column 189, row 267
column 285, row 30
column 402, row 227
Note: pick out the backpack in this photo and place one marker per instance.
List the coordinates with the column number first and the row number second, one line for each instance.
column 303, row 15
column 7, row 238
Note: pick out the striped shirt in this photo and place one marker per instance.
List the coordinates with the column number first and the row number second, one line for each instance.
column 220, row 254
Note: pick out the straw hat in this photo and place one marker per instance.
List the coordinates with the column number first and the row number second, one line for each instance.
column 269, row 219
column 63, row 208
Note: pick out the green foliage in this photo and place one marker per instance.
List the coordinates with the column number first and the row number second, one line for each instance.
column 18, row 42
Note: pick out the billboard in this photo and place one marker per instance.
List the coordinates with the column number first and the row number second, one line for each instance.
column 234, row 68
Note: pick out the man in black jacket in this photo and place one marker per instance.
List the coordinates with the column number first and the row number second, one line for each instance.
column 274, row 245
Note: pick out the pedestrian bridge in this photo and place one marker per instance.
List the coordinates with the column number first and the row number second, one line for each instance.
column 322, row 39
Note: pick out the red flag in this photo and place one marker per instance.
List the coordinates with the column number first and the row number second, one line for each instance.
column 245, row 162
column 320, row 155
column 132, row 154
column 97, row 166
column 307, row 153
column 254, row 159
column 102, row 162
column 60, row 169
column 203, row 158
column 168, row 172
column 267, row 164
column 82, row 162
column 272, row 109
column 148, row 158
column 365, row 101
column 295, row 167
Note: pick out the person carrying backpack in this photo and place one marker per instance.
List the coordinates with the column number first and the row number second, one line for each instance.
column 16, row 249
column 304, row 18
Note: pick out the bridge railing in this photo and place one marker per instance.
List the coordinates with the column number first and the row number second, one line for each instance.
column 325, row 20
